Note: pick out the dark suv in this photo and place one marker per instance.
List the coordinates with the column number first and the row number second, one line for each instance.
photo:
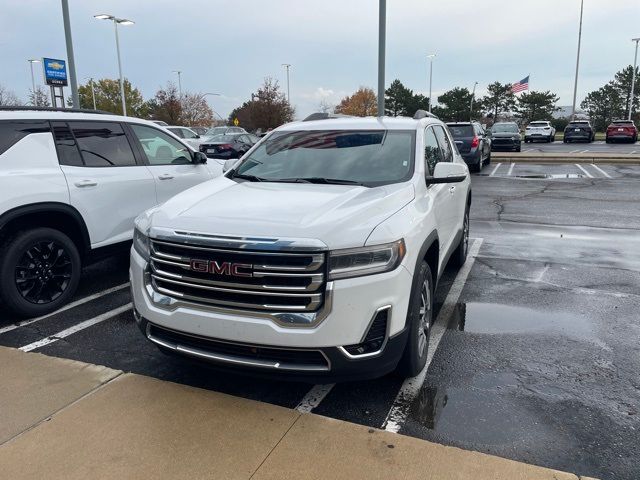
column 506, row 136
column 579, row 131
column 473, row 143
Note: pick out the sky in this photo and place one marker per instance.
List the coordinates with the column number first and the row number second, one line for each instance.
column 229, row 47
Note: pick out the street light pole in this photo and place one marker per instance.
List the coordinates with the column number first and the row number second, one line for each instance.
column 633, row 77
column 473, row 94
column 382, row 37
column 116, row 22
column 70, row 58
column 179, row 72
column 287, row 66
column 430, row 57
column 33, row 80
column 575, row 85
column 93, row 92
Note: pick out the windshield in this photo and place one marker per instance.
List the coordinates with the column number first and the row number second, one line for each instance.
column 367, row 157
column 461, row 131
column 505, row 128
column 216, row 131
column 222, row 138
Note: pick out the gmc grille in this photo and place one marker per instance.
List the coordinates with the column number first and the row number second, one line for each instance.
column 239, row 279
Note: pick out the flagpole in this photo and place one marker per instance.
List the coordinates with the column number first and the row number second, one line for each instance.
column 575, row 85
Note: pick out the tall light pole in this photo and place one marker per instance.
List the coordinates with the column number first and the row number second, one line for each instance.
column 287, row 66
column 633, row 77
column 179, row 72
column 431, row 56
column 118, row 21
column 33, row 80
column 215, row 95
column 70, row 58
column 382, row 39
column 575, row 85
column 93, row 92
column 473, row 94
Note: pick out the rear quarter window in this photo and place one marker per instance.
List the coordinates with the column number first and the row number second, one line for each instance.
column 11, row 132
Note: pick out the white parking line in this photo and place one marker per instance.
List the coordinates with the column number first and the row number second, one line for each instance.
column 585, row 172
column 313, row 397
column 76, row 328
column 574, row 151
column 411, row 386
column 511, row 168
column 600, row 170
column 8, row 328
column 495, row 170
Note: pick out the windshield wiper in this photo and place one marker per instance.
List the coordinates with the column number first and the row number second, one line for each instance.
column 328, row 181
column 249, row 178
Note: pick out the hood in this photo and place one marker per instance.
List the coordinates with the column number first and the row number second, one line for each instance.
column 341, row 216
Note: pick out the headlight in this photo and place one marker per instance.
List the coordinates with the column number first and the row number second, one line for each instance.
column 356, row 262
column 141, row 244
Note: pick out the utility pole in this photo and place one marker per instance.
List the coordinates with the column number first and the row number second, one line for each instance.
column 633, row 77
column 33, row 80
column 179, row 72
column 430, row 57
column 382, row 35
column 93, row 93
column 70, row 58
column 575, row 85
column 473, row 94
column 287, row 66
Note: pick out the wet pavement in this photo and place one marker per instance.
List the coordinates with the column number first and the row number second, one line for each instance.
column 539, row 361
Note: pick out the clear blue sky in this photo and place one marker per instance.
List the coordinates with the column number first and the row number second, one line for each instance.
column 230, row 46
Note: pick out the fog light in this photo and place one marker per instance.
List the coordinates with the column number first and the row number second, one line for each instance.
column 375, row 338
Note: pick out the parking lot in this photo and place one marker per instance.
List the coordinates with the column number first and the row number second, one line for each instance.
column 533, row 355
column 599, row 146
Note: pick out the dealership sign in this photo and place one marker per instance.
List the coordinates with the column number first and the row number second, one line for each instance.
column 55, row 72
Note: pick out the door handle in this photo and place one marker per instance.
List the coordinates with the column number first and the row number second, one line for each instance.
column 86, row 183
column 165, row 176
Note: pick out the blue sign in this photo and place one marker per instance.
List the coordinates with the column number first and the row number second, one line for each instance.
column 55, row 72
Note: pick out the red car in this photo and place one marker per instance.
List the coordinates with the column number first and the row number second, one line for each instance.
column 622, row 130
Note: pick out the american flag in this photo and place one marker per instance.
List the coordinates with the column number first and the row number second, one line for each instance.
column 521, row 86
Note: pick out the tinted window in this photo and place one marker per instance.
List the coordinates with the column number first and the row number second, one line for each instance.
column 176, row 131
column 432, row 152
column 68, row 153
column 160, row 148
column 445, row 145
column 103, row 144
column 461, row 131
column 13, row 131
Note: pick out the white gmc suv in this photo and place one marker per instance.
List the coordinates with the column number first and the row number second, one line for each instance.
column 316, row 256
column 540, row 130
column 71, row 184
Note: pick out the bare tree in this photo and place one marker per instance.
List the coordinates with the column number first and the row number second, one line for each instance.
column 39, row 97
column 8, row 98
column 195, row 111
column 325, row 107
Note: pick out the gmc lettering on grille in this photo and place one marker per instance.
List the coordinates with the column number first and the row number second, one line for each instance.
column 228, row 269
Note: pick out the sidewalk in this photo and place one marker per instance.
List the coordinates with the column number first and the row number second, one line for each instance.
column 61, row 419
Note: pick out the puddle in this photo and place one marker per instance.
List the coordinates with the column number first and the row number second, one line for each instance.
column 494, row 318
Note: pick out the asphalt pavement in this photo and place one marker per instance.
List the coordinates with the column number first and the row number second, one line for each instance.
column 599, row 146
column 534, row 356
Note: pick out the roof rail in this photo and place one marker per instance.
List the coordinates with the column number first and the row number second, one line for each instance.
column 53, row 109
column 424, row 114
column 324, row 116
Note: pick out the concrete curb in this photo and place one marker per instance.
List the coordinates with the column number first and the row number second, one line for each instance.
column 627, row 159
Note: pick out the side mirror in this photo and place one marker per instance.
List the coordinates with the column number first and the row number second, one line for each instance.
column 228, row 164
column 447, row 172
column 199, row 158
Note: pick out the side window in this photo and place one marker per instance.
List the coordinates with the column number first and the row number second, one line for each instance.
column 177, row 132
column 103, row 144
column 186, row 133
column 445, row 144
column 68, row 153
column 244, row 139
column 14, row 131
column 432, row 152
column 160, row 148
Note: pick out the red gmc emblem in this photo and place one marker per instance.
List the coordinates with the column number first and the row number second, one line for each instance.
column 222, row 268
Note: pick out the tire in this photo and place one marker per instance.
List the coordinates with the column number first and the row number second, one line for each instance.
column 419, row 320
column 460, row 254
column 565, row 140
column 606, row 140
column 519, row 148
column 488, row 159
column 27, row 254
column 476, row 167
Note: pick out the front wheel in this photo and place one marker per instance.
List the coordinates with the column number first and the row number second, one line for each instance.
column 460, row 254
column 419, row 319
column 39, row 271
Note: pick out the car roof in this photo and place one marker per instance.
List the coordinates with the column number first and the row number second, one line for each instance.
column 461, row 123
column 69, row 116
column 360, row 123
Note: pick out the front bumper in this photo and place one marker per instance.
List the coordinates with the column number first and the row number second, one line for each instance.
column 505, row 144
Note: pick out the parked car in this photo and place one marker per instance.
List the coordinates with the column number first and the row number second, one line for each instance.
column 506, row 136
column 540, row 130
column 316, row 256
column 579, row 131
column 187, row 134
column 624, row 130
column 212, row 132
column 200, row 130
column 473, row 143
column 72, row 184
column 230, row 145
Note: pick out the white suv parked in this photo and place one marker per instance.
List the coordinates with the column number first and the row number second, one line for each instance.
column 540, row 130
column 316, row 255
column 71, row 183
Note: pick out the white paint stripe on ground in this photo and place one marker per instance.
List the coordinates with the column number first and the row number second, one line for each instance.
column 511, row 168
column 76, row 328
column 631, row 153
column 585, row 171
column 81, row 301
column 411, row 386
column 574, row 151
column 600, row 170
column 313, row 397
column 495, row 170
